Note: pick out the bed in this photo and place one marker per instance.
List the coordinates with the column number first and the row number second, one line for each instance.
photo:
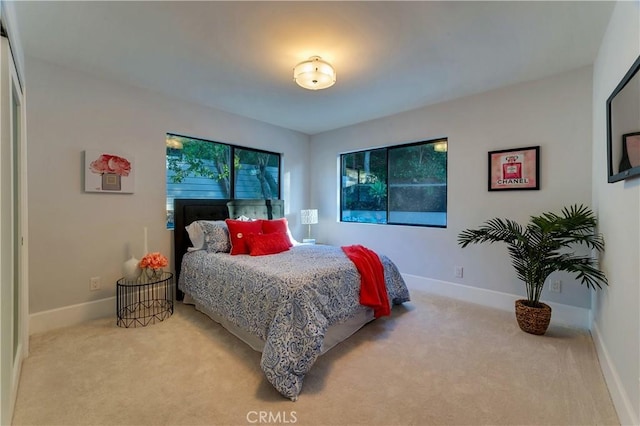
column 292, row 305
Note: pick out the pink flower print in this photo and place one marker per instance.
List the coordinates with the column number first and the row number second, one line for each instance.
column 108, row 163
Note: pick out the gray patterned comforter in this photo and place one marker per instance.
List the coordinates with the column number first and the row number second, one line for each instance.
column 287, row 299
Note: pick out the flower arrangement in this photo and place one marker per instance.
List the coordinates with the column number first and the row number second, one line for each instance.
column 154, row 261
column 108, row 163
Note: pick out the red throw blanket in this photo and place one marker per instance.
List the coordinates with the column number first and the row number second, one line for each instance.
column 373, row 291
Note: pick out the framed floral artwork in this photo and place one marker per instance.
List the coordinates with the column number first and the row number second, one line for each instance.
column 111, row 172
column 513, row 169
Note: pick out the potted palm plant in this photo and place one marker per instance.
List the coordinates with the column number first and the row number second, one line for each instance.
column 542, row 247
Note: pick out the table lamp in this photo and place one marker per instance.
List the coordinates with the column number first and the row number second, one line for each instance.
column 309, row 217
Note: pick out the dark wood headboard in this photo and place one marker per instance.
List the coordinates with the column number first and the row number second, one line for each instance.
column 186, row 211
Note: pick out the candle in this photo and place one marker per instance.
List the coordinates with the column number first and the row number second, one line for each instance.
column 146, row 248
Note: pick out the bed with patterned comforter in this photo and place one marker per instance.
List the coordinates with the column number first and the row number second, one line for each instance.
column 287, row 299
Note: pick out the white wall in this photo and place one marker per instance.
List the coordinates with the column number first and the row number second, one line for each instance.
column 76, row 235
column 617, row 309
column 554, row 113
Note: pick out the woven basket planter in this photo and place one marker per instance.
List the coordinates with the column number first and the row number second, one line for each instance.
column 533, row 320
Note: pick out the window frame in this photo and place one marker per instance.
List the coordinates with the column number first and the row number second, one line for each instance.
column 232, row 167
column 388, row 172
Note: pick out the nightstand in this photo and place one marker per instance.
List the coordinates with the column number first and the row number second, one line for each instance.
column 140, row 303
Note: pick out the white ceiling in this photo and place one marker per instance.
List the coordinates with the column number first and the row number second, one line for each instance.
column 389, row 56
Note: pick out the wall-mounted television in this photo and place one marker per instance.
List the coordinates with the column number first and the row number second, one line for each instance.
column 623, row 127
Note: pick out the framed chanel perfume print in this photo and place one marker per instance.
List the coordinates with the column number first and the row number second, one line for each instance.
column 514, row 169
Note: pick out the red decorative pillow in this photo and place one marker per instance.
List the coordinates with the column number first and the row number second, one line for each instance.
column 262, row 244
column 239, row 230
column 276, row 225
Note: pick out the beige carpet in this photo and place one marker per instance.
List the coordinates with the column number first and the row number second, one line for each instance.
column 436, row 361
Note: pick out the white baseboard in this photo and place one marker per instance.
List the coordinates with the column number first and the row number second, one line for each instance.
column 72, row 315
column 570, row 316
column 620, row 398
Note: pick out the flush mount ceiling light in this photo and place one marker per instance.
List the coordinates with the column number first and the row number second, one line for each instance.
column 314, row 74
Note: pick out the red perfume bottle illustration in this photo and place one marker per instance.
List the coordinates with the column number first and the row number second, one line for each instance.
column 512, row 168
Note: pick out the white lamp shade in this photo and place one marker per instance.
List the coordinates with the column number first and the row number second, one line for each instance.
column 309, row 217
column 314, row 74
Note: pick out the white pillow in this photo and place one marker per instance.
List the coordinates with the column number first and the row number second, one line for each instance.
column 196, row 236
column 209, row 235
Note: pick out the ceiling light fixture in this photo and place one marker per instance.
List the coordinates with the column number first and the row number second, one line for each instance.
column 314, row 74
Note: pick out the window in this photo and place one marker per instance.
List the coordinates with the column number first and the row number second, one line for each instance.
column 256, row 174
column 198, row 168
column 364, row 186
column 403, row 184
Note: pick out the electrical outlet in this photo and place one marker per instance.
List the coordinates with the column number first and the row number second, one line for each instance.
column 459, row 271
column 94, row 283
column 556, row 286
